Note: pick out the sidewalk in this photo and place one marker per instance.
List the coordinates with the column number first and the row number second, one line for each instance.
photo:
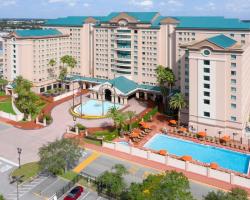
column 161, row 167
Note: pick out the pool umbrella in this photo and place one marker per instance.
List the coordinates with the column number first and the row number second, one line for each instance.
column 186, row 158
column 135, row 133
column 182, row 129
column 214, row 165
column 163, row 152
column 202, row 134
column 145, row 126
column 141, row 123
column 174, row 122
column 225, row 138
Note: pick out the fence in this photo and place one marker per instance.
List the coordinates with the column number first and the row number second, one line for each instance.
column 184, row 165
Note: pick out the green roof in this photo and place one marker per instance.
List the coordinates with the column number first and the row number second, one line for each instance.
column 143, row 17
column 222, row 41
column 38, row 33
column 123, row 84
column 211, row 23
column 150, row 87
column 72, row 21
column 88, row 79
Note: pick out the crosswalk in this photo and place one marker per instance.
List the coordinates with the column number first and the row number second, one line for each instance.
column 26, row 187
column 6, row 165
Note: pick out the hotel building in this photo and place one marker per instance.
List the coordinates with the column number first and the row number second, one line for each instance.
column 209, row 56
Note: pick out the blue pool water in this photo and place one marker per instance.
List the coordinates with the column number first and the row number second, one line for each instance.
column 204, row 153
column 124, row 143
column 94, row 107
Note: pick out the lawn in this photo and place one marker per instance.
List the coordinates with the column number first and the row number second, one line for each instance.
column 6, row 106
column 91, row 141
column 106, row 135
column 28, row 170
column 2, row 93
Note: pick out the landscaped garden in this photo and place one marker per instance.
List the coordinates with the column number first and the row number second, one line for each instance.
column 28, row 171
column 6, row 106
column 2, row 93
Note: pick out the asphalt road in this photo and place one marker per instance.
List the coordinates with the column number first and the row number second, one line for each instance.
column 136, row 173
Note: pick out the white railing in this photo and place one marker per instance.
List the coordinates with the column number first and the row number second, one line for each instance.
column 14, row 117
column 185, row 165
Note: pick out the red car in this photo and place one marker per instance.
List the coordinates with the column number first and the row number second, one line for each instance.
column 75, row 193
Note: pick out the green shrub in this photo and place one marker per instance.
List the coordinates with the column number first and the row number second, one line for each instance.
column 48, row 118
column 80, row 127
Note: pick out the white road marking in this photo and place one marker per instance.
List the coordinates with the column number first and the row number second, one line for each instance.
column 85, row 195
column 8, row 161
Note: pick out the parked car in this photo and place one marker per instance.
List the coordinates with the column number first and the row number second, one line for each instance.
column 75, row 193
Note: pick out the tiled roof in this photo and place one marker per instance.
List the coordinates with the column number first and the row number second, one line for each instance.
column 211, row 23
column 143, row 17
column 123, row 84
column 88, row 79
column 71, row 21
column 222, row 41
column 38, row 33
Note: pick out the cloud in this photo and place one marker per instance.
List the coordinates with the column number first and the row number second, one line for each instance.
column 142, row 3
column 178, row 3
column 86, row 5
column 238, row 6
column 7, row 2
column 210, row 6
column 68, row 2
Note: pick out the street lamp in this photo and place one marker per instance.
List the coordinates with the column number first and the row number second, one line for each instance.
column 81, row 88
column 219, row 132
column 17, row 179
column 19, row 151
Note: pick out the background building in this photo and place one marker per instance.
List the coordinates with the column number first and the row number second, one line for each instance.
column 209, row 56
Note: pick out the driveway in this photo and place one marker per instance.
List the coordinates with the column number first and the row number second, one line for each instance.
column 31, row 140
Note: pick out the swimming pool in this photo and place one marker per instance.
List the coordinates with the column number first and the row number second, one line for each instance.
column 204, row 153
column 123, row 143
column 94, row 107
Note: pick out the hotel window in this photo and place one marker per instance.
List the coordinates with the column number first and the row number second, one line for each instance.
column 206, row 62
column 206, row 114
column 233, row 97
column 206, row 70
column 232, row 35
column 233, row 118
column 233, row 81
column 206, row 94
column 233, row 105
column 233, row 73
column 206, row 78
column 233, row 89
column 243, row 35
column 207, row 86
column 233, row 64
column 233, row 57
column 206, row 101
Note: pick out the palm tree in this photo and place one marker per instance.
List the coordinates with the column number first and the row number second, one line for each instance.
column 3, row 83
column 165, row 79
column 52, row 63
column 120, row 121
column 177, row 102
column 130, row 115
column 112, row 113
column 64, row 59
column 71, row 63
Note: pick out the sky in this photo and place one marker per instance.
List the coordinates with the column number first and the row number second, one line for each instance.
column 61, row 8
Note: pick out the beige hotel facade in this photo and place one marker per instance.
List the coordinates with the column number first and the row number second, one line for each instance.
column 210, row 57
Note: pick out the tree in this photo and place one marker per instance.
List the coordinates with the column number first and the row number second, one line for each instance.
column 120, row 121
column 112, row 183
column 112, row 113
column 166, row 80
column 169, row 186
column 70, row 61
column 3, row 83
column 52, row 63
column 27, row 101
column 177, row 102
column 1, row 197
column 130, row 115
column 234, row 194
column 58, row 156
